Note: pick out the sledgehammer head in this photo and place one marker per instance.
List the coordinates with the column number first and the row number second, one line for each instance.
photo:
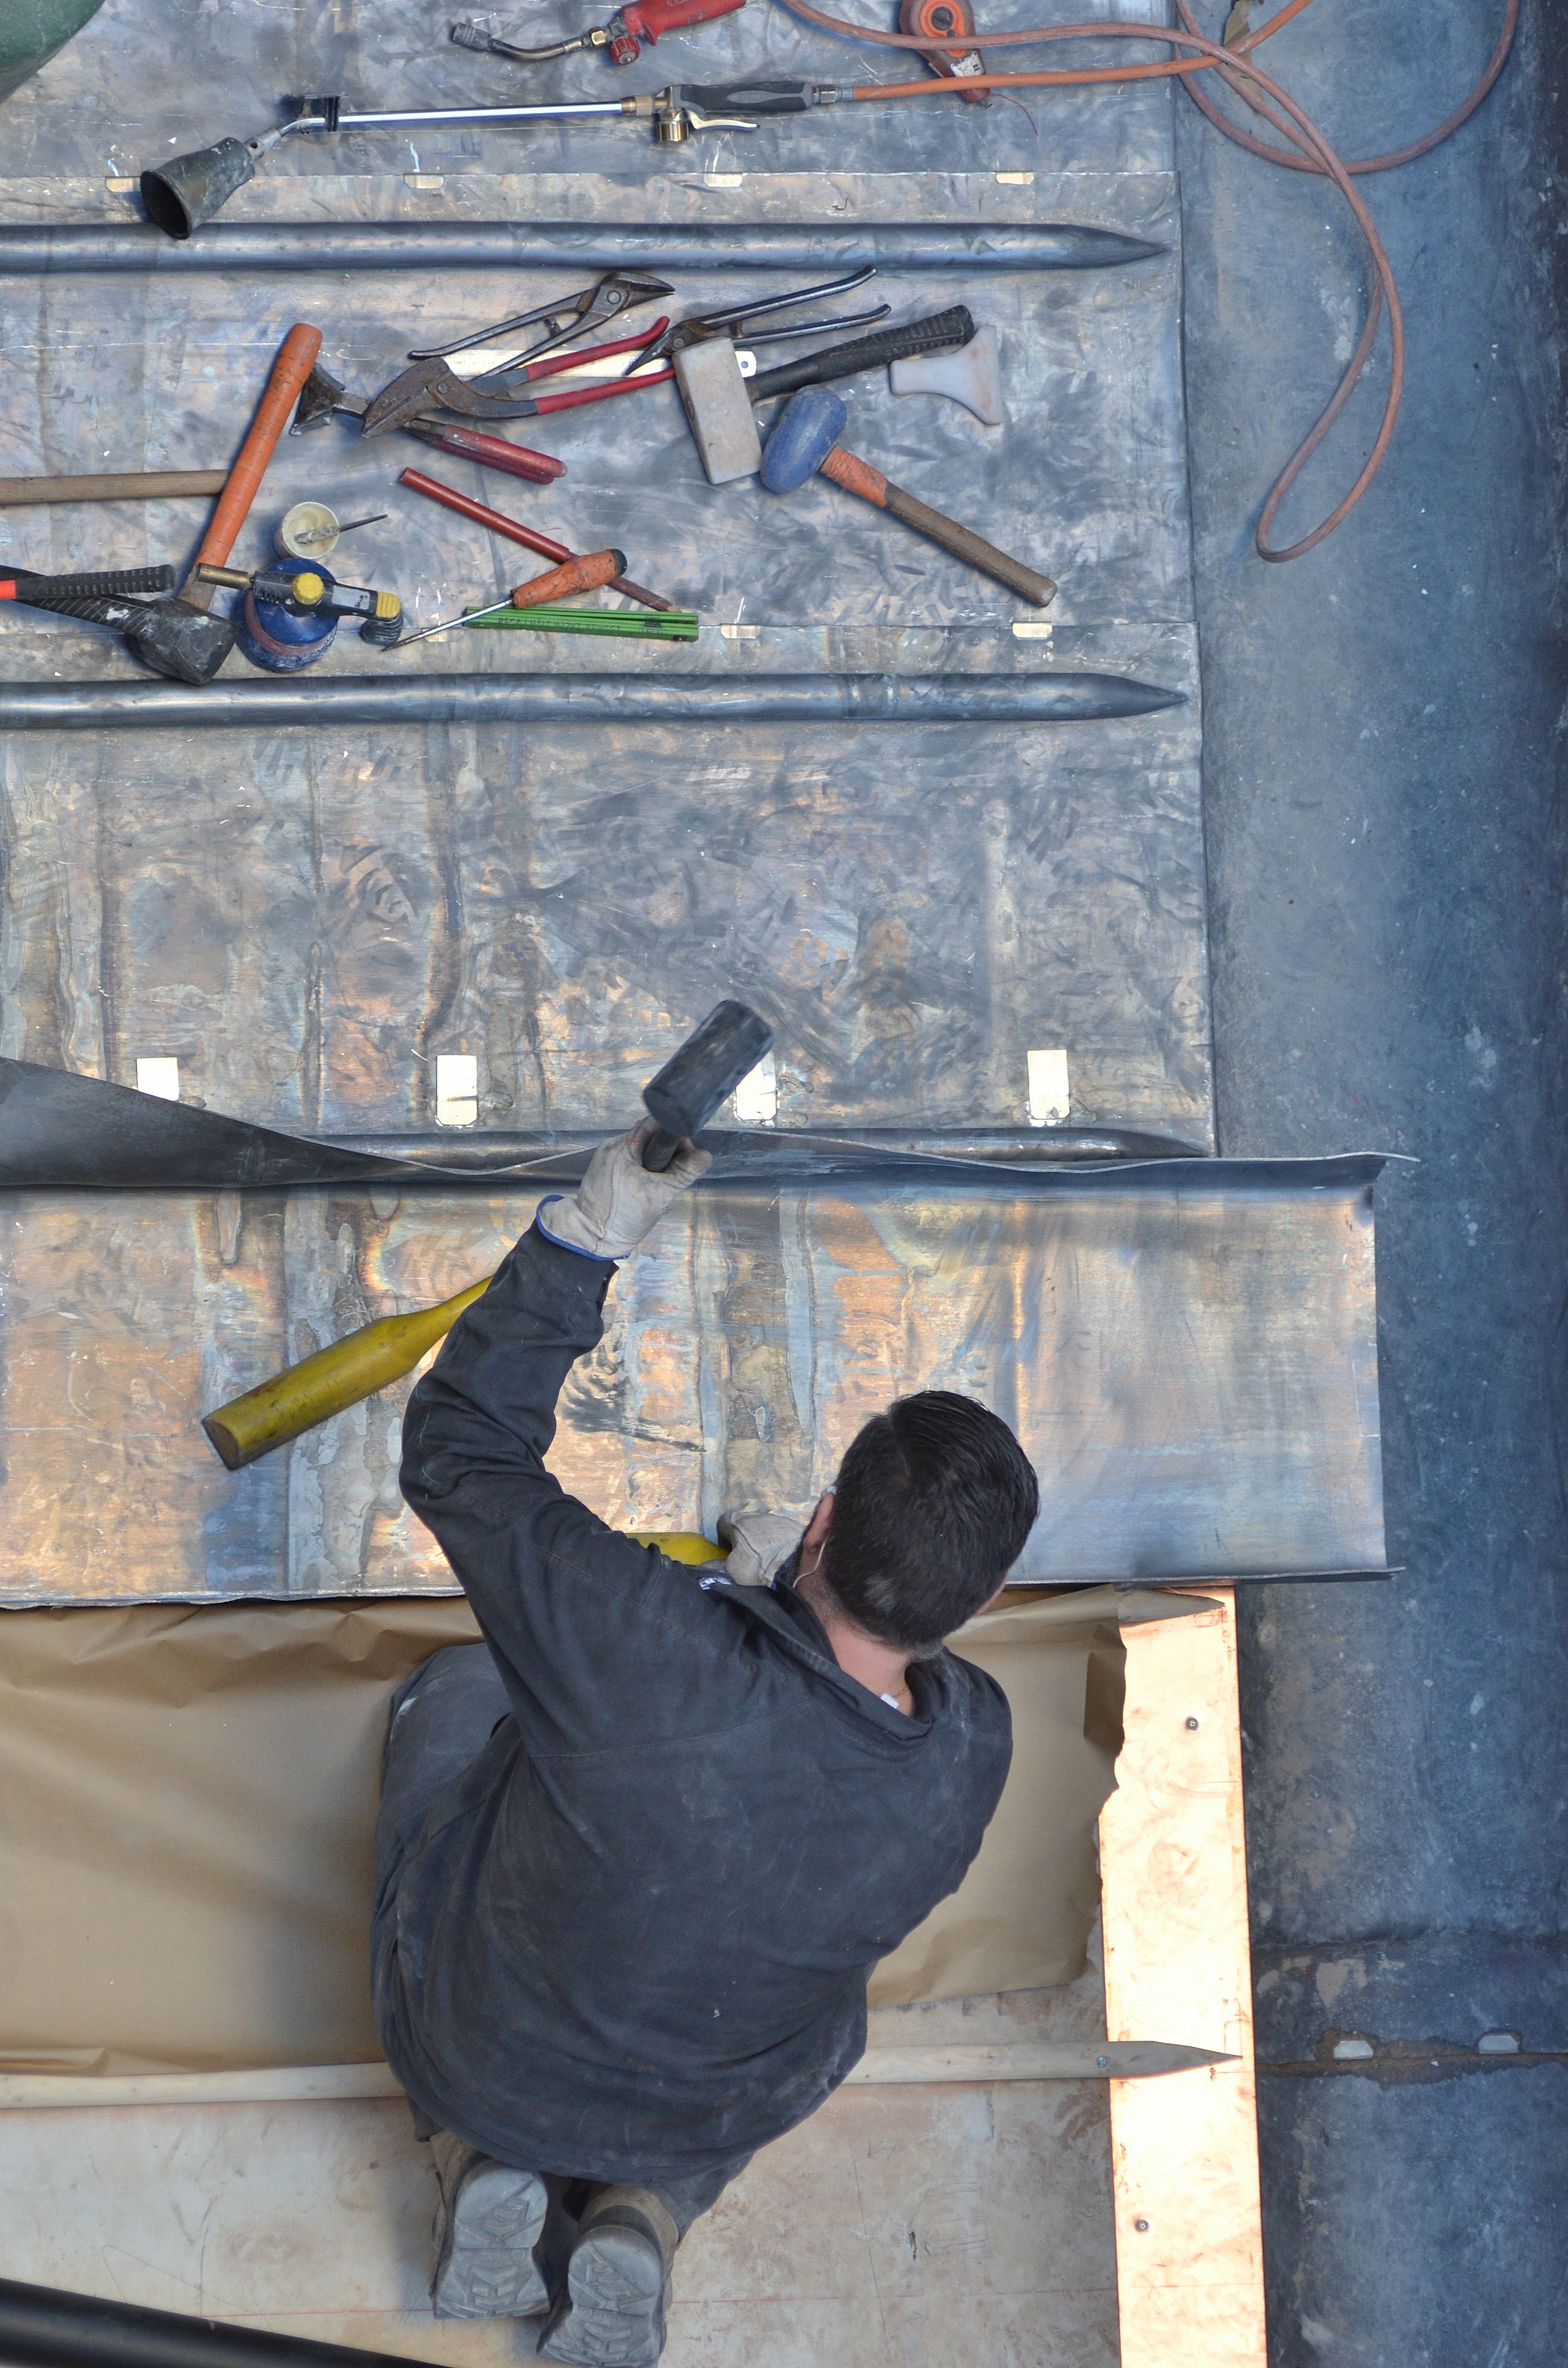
column 718, row 409
column 175, row 639
column 694, row 1081
column 802, row 437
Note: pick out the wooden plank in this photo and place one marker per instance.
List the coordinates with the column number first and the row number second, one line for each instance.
column 1087, row 2059
column 1190, row 2255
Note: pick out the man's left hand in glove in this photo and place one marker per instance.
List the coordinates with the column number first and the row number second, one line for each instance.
column 618, row 1200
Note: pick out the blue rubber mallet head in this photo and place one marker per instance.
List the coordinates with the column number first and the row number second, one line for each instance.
column 805, row 438
column 802, row 437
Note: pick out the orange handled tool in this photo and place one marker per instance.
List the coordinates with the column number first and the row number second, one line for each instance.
column 584, row 574
column 848, row 470
column 296, row 360
column 946, row 20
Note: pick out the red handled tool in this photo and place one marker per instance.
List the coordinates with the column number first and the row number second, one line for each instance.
column 530, row 537
column 490, row 451
column 322, row 394
column 623, row 36
column 434, row 385
column 526, row 368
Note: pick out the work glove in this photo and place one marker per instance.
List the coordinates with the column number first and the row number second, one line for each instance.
column 619, row 1199
column 760, row 1544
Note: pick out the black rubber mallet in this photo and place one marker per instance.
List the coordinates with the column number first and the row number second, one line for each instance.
column 171, row 636
column 681, row 1099
column 705, row 1072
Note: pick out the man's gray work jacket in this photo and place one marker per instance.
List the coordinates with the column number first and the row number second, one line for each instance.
column 633, row 1937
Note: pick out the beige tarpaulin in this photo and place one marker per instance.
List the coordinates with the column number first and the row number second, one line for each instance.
column 187, row 1798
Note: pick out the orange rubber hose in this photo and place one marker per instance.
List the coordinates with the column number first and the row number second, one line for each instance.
column 1312, row 153
column 1296, row 162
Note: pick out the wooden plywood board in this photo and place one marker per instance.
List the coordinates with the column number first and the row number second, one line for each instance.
column 1189, row 2261
column 1183, row 2148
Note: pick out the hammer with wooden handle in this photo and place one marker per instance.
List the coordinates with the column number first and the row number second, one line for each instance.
column 804, row 439
column 296, row 360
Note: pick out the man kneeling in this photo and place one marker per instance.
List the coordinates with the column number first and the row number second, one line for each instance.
column 639, row 1852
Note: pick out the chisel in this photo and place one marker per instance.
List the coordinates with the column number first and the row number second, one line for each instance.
column 575, row 574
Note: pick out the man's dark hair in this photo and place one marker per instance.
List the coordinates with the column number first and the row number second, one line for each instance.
column 931, row 1507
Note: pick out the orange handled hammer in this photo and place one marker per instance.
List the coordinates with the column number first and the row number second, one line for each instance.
column 296, row 360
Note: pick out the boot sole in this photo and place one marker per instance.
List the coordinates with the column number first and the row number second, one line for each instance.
column 487, row 2268
column 612, row 2313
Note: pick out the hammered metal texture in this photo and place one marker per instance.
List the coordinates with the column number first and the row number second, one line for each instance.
column 307, row 917
column 1191, row 1367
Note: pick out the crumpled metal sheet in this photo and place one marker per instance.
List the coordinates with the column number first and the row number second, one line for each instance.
column 307, row 918
column 1187, row 1350
column 306, row 923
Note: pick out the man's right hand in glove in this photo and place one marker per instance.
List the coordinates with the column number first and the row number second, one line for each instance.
column 620, row 1201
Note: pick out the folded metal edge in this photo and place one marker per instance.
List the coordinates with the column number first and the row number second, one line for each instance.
column 62, row 1131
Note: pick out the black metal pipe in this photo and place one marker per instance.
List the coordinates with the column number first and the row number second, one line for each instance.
column 41, row 2327
column 981, row 699
column 34, row 249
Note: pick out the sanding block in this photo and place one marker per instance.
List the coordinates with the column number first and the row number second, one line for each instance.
column 718, row 405
column 971, row 376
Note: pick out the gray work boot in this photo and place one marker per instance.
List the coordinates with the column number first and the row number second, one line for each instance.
column 611, row 2313
column 488, row 2226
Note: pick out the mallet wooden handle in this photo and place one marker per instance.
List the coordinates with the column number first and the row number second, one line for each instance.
column 857, row 476
column 296, row 360
column 139, row 486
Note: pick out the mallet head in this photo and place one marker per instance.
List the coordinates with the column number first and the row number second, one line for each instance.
column 694, row 1081
column 802, row 437
column 718, row 409
column 178, row 640
column 971, row 375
